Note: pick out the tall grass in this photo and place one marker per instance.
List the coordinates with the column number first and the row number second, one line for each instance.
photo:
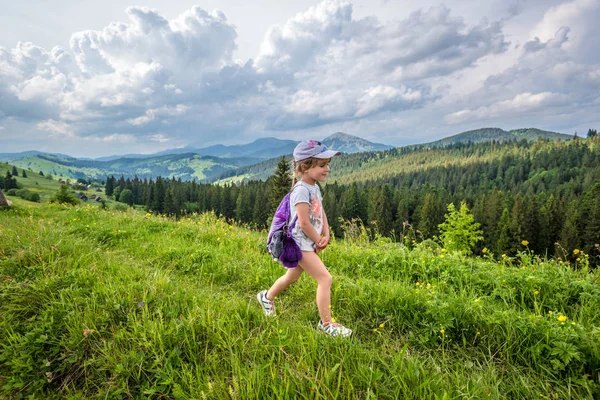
column 107, row 304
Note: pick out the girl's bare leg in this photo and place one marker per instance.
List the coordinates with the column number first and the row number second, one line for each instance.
column 291, row 276
column 312, row 264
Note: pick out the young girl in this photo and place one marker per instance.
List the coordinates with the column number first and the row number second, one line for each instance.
column 311, row 233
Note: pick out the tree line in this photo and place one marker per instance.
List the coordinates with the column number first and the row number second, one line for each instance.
column 544, row 193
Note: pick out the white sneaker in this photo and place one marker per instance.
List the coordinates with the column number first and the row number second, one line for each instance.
column 267, row 305
column 334, row 329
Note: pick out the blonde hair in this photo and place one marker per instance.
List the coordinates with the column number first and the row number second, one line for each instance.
column 300, row 167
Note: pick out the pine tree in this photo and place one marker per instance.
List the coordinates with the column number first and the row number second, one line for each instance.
column 260, row 212
column 460, row 232
column 14, row 171
column 148, row 201
column 403, row 211
column 24, row 174
column 569, row 235
column 518, row 226
column 179, row 198
column 428, row 222
column 592, row 133
column 158, row 200
column 351, row 204
column 109, row 189
column 532, row 225
column 227, row 205
column 9, row 181
column 41, row 173
column 64, row 196
column 280, row 183
column 387, row 211
column 591, row 219
column 169, row 205
column 505, row 238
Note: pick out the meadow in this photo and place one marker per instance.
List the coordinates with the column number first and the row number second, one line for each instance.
column 123, row 304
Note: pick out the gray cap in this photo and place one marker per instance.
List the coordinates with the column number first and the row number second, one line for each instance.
column 312, row 148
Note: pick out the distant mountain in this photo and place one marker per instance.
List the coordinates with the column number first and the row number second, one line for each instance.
column 187, row 166
column 499, row 135
column 263, row 148
column 116, row 157
column 16, row 156
column 338, row 141
column 351, row 144
column 266, row 148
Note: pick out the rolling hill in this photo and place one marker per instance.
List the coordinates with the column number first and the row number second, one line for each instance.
column 370, row 162
column 499, row 135
column 179, row 166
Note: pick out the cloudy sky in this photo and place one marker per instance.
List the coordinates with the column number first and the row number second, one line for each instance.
column 95, row 78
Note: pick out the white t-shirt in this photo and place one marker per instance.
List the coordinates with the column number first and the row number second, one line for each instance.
column 311, row 194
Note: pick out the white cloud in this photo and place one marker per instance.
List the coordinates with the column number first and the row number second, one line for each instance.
column 155, row 113
column 115, row 138
column 56, row 128
column 520, row 104
column 549, row 79
column 156, row 81
column 331, row 66
column 581, row 17
column 376, row 98
column 159, row 138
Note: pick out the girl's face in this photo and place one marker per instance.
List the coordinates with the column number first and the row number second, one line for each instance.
column 318, row 172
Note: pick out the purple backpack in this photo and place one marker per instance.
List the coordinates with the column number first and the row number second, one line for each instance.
column 280, row 243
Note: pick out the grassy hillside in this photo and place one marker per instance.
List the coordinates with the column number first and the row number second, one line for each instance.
column 100, row 304
column 46, row 188
column 34, row 182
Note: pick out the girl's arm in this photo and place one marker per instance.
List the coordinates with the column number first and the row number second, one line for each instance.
column 303, row 212
column 324, row 240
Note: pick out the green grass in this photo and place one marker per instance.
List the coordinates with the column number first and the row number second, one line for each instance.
column 106, row 304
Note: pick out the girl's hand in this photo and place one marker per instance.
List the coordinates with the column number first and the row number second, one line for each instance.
column 323, row 242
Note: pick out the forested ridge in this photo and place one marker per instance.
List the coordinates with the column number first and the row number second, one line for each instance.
column 546, row 193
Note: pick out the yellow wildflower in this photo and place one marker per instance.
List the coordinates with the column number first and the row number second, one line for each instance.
column 576, row 251
column 442, row 331
column 484, row 250
column 536, row 292
column 381, row 326
column 562, row 318
column 524, row 242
